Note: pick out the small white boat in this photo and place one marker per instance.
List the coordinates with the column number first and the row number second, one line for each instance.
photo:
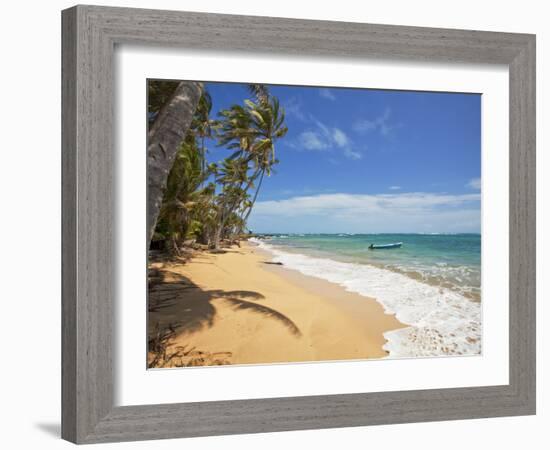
column 385, row 246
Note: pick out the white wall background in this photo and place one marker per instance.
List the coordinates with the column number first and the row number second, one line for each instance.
column 31, row 208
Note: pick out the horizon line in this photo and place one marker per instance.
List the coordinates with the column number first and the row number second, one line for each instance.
column 377, row 232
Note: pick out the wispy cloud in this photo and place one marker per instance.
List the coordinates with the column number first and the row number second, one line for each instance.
column 321, row 137
column 414, row 212
column 352, row 154
column 327, row 93
column 364, row 203
column 312, row 140
column 293, row 107
column 395, row 188
column 340, row 138
column 474, row 183
column 380, row 124
column 277, row 194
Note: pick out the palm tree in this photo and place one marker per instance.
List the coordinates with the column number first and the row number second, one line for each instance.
column 260, row 92
column 187, row 205
column 189, row 208
column 202, row 125
column 233, row 178
column 176, row 215
column 163, row 141
column 250, row 131
column 268, row 122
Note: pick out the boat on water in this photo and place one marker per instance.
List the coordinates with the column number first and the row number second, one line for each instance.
column 385, row 246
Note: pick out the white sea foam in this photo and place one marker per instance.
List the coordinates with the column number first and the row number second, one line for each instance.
column 440, row 321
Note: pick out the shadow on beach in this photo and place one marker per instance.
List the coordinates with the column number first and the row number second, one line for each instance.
column 178, row 306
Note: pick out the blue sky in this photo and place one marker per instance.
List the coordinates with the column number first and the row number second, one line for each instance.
column 364, row 161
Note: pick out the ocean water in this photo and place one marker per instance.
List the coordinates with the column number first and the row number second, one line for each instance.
column 432, row 283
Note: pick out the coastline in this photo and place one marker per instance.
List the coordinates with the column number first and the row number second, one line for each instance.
column 439, row 320
column 237, row 308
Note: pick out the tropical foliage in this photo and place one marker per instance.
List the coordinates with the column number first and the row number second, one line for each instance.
column 209, row 202
column 165, row 135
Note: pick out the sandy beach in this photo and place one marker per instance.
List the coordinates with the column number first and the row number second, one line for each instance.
column 237, row 307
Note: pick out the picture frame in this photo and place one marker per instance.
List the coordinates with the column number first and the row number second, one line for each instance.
column 90, row 34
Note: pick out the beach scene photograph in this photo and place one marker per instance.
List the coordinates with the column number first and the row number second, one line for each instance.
column 299, row 224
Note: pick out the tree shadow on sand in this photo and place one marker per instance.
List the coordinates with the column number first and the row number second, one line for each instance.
column 243, row 305
column 176, row 303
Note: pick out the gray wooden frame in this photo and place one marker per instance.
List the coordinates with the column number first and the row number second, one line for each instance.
column 89, row 36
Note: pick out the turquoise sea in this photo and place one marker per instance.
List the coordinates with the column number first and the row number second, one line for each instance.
column 432, row 283
column 448, row 260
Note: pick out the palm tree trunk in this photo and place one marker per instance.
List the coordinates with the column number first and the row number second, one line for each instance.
column 245, row 218
column 163, row 141
column 226, row 212
column 217, row 237
column 203, row 162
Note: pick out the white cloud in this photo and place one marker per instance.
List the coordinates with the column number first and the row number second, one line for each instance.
column 327, row 93
column 340, row 138
column 395, row 188
column 365, row 125
column 323, row 137
column 381, row 124
column 362, row 213
column 359, row 203
column 474, row 183
column 293, row 107
column 352, row 154
column 310, row 140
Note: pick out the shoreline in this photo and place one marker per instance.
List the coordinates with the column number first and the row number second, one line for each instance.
column 438, row 321
column 233, row 308
column 409, row 272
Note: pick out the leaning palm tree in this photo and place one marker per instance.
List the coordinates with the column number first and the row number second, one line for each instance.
column 260, row 92
column 234, row 131
column 251, row 131
column 163, row 141
column 202, row 125
column 233, row 178
column 268, row 124
column 181, row 194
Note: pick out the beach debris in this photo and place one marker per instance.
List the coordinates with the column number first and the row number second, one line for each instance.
column 163, row 354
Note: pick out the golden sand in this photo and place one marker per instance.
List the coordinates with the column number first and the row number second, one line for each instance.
column 234, row 308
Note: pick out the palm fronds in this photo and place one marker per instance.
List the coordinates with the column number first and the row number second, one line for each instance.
column 208, row 202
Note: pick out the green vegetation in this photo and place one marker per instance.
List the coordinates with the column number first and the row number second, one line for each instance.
column 206, row 202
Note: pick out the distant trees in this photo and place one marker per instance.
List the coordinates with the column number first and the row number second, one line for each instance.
column 211, row 202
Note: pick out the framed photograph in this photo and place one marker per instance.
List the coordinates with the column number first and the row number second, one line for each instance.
column 278, row 224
